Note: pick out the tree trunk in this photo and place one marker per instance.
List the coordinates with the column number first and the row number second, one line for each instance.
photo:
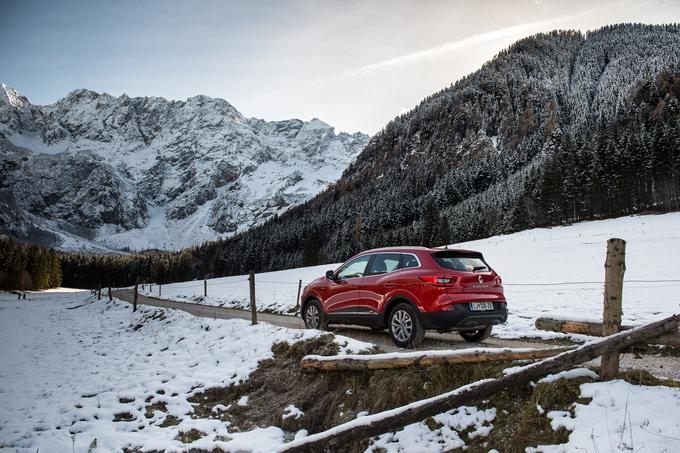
column 426, row 358
column 394, row 419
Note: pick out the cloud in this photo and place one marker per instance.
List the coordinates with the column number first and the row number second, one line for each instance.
column 521, row 29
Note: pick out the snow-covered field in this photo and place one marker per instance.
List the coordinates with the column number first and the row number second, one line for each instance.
column 66, row 372
column 80, row 375
column 275, row 291
column 546, row 272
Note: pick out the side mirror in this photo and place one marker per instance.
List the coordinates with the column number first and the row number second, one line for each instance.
column 330, row 275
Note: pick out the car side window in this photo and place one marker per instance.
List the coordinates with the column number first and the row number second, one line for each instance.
column 408, row 260
column 384, row 262
column 354, row 268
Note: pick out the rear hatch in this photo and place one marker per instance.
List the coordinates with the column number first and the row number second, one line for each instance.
column 472, row 272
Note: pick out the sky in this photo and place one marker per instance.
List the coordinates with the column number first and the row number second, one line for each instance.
column 354, row 64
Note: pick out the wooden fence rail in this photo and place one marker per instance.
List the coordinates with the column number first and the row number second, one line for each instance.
column 422, row 358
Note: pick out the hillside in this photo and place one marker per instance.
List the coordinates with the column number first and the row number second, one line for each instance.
column 558, row 128
column 546, row 272
column 97, row 172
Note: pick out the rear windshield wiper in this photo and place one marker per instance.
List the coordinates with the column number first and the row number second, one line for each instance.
column 479, row 268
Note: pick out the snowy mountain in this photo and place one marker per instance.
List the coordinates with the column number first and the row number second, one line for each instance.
column 98, row 172
column 559, row 128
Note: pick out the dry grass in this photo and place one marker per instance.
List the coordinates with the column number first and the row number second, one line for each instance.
column 331, row 398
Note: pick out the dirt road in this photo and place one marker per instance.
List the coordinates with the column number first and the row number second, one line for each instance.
column 433, row 340
column 656, row 365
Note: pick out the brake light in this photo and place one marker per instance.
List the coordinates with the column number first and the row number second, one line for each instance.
column 499, row 281
column 439, row 280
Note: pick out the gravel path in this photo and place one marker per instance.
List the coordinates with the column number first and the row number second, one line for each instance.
column 667, row 367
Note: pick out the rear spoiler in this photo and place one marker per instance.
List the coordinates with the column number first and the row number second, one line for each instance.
column 458, row 254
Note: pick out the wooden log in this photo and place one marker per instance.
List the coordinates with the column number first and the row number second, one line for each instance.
column 615, row 267
column 424, row 358
column 394, row 419
column 569, row 326
column 595, row 329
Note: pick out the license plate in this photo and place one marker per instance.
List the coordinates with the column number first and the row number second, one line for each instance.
column 481, row 306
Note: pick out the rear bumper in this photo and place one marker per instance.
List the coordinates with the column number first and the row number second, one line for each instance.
column 461, row 318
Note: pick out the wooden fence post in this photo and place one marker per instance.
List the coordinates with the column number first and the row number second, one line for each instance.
column 159, row 290
column 134, row 304
column 99, row 292
column 110, row 295
column 614, row 268
column 205, row 287
column 297, row 301
column 253, row 309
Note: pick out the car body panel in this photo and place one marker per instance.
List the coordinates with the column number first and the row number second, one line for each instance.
column 367, row 299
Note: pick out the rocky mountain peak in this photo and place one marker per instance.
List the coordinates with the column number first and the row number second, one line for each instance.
column 11, row 97
column 95, row 170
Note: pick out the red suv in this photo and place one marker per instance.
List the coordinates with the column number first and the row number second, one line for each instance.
column 409, row 290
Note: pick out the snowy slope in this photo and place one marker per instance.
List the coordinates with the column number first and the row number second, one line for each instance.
column 546, row 272
column 88, row 375
column 141, row 173
column 70, row 363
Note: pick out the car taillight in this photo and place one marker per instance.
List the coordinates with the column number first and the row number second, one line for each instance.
column 499, row 282
column 438, row 280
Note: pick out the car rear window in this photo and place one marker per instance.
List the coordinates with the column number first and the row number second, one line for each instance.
column 461, row 261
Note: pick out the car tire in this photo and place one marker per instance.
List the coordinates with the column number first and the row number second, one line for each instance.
column 405, row 326
column 475, row 336
column 314, row 317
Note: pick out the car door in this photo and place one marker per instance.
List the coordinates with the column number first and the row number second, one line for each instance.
column 344, row 288
column 378, row 281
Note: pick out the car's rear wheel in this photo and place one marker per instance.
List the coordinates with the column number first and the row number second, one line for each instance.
column 405, row 327
column 475, row 336
column 314, row 316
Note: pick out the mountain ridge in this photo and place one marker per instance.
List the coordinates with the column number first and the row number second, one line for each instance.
column 173, row 173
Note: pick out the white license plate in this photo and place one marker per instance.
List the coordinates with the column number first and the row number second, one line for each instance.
column 481, row 306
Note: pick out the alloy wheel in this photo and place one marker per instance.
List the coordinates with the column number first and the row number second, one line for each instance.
column 312, row 317
column 402, row 325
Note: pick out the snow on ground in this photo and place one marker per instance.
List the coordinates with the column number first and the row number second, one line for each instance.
column 275, row 291
column 447, row 436
column 621, row 417
column 70, row 363
column 546, row 272
column 576, row 253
